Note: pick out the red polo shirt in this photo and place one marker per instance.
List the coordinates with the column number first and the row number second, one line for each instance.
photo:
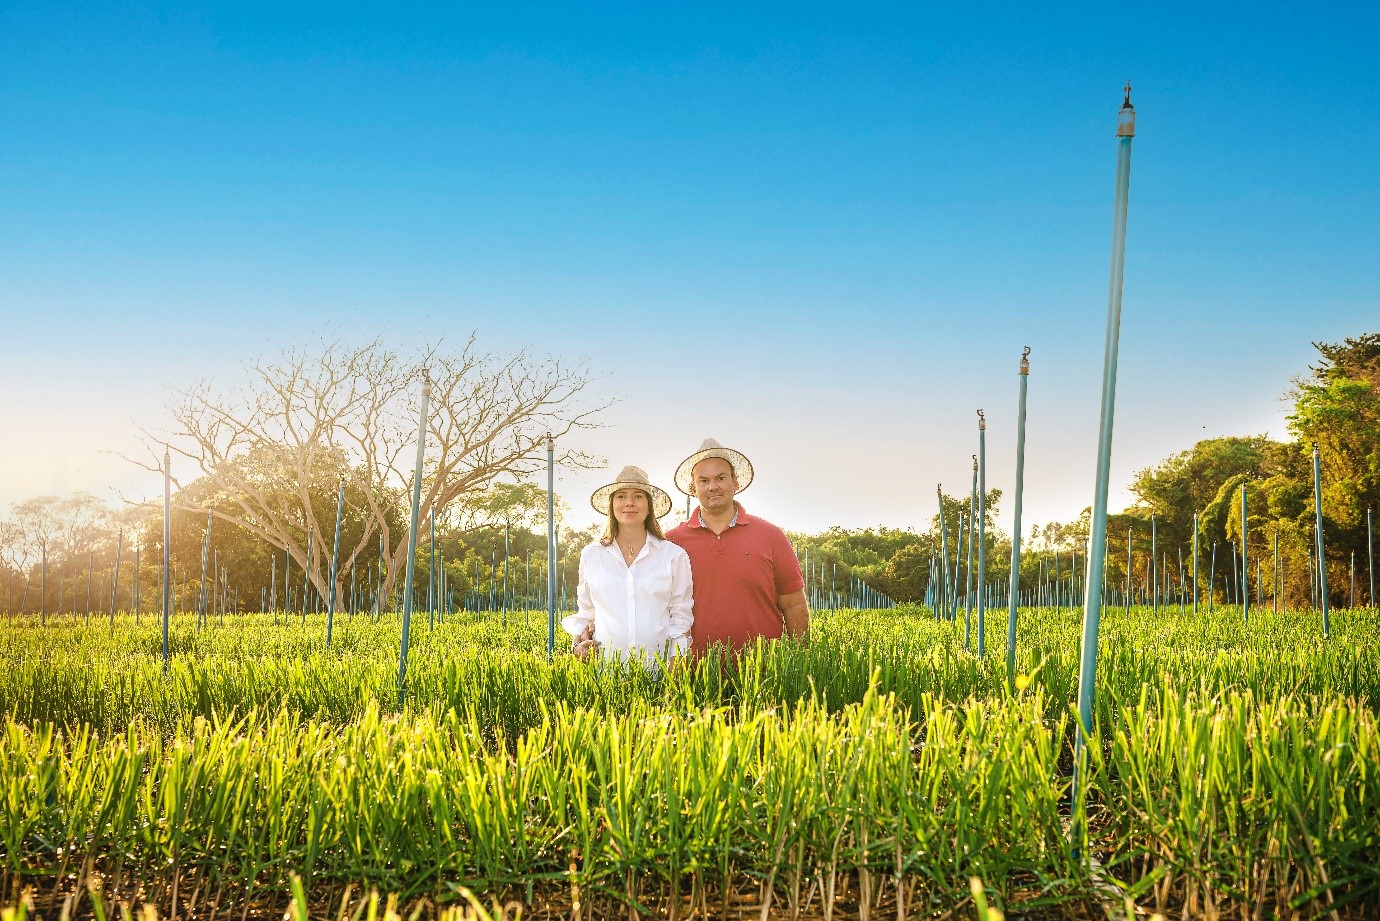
column 737, row 577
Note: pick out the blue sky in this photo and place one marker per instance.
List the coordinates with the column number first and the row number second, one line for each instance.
column 821, row 235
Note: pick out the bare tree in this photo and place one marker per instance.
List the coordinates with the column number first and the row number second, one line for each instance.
column 312, row 418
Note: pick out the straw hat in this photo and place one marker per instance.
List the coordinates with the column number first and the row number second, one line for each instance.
column 631, row 478
column 742, row 467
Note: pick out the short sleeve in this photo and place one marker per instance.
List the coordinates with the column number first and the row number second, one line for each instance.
column 788, row 577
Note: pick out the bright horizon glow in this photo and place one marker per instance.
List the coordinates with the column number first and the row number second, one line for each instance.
column 820, row 236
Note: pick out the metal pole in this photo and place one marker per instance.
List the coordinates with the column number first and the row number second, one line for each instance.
column 982, row 535
column 1322, row 557
column 1274, row 591
column 1013, row 600
column 201, row 593
column 507, row 556
column 968, row 587
column 1154, row 568
column 432, row 588
column 167, row 552
column 412, row 537
column 1092, row 607
column 1129, row 563
column 136, row 584
column 941, row 599
column 551, row 545
column 335, row 562
column 1245, row 570
column 1370, row 558
column 115, row 580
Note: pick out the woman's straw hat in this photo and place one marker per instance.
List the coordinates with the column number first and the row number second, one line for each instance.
column 742, row 467
column 631, row 478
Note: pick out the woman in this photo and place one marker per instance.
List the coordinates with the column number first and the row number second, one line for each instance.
column 634, row 597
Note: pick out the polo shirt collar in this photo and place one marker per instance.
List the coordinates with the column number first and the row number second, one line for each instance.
column 740, row 516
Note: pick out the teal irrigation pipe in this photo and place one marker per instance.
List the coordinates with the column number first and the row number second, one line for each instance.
column 1274, row 590
column 412, row 538
column 1322, row 556
column 1130, row 560
column 941, row 600
column 167, row 554
column 958, row 566
column 1092, row 607
column 1154, row 567
column 202, row 593
column 135, row 580
column 1212, row 578
column 982, row 536
column 335, row 563
column 507, row 558
column 1245, row 567
column 968, row 586
column 1014, row 598
column 1195, row 562
column 433, row 590
column 551, row 546
column 115, row 581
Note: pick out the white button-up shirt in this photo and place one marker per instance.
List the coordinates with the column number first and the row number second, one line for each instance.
column 645, row 609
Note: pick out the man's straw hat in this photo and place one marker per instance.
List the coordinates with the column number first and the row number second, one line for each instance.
column 742, row 467
column 631, row 478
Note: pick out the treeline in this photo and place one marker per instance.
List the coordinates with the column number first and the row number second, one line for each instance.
column 75, row 554
column 1336, row 406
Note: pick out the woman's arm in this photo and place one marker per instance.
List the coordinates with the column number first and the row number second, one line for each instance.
column 580, row 624
column 681, row 610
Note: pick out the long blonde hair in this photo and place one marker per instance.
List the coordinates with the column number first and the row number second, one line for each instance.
column 653, row 526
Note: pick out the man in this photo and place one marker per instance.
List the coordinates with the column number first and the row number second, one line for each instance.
column 746, row 577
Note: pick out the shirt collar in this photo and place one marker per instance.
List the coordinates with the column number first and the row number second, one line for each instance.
column 740, row 516
column 652, row 543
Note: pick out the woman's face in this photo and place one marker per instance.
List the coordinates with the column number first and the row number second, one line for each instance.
column 630, row 506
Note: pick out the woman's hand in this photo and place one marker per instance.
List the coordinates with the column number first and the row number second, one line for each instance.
column 585, row 644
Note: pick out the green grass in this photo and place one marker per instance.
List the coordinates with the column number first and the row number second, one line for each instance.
column 1233, row 765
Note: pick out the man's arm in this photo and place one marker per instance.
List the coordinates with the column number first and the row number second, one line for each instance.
column 795, row 611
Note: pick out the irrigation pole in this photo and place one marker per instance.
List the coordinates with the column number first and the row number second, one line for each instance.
column 551, row 545
column 1195, row 562
column 968, row 592
column 115, row 580
column 412, row 537
column 1014, row 600
column 1154, row 567
column 335, row 562
column 982, row 535
column 202, row 593
column 167, row 552
column 1370, row 558
column 1245, row 569
column 1322, row 559
column 1274, row 592
column 1092, row 603
column 941, row 600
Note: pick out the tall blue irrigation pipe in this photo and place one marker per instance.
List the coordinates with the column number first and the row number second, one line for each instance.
column 982, row 534
column 968, row 588
column 202, row 594
column 335, row 563
column 1014, row 598
column 1245, row 570
column 1092, row 602
column 115, row 582
column 550, row 545
column 1195, row 562
column 1370, row 558
column 412, row 537
column 941, row 602
column 167, row 552
column 1154, row 567
column 1322, row 558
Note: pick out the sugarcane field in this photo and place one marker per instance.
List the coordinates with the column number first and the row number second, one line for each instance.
column 359, row 561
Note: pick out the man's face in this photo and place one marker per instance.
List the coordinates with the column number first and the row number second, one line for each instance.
column 714, row 484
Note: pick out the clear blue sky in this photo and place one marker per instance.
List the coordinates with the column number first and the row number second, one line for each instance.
column 821, row 235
